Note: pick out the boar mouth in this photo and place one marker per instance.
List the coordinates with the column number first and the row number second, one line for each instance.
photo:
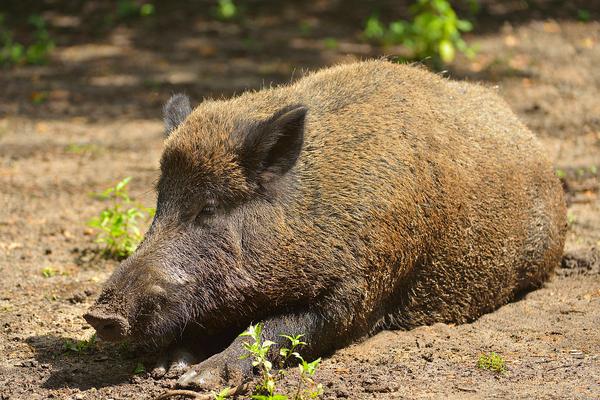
column 109, row 327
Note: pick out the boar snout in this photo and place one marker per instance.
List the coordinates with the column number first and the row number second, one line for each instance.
column 108, row 327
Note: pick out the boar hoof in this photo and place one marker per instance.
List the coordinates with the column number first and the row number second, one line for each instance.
column 173, row 367
column 212, row 375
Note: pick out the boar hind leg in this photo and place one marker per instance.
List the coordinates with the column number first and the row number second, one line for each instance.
column 322, row 335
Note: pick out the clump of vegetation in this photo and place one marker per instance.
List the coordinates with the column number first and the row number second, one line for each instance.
column 118, row 225
column 435, row 31
column 127, row 9
column 583, row 15
column 226, row 10
column 80, row 346
column 49, row 272
column 331, row 43
column 571, row 219
column 492, row 362
column 13, row 52
column 139, row 369
column 259, row 350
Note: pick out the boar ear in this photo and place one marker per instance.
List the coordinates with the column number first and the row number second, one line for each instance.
column 175, row 112
column 271, row 148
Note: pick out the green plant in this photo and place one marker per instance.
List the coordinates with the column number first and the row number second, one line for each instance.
column 139, row 369
column 80, row 346
column 492, row 362
column 48, row 272
column 226, row 9
column 14, row 53
column 330, row 43
column 119, row 232
column 583, row 15
column 571, row 219
column 259, row 351
column 434, row 31
column 127, row 9
column 223, row 394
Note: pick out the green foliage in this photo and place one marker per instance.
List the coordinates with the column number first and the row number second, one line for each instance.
column 139, row 369
column 226, row 10
column 16, row 53
column 330, row 43
column 492, row 362
column 127, row 9
column 434, row 31
column 119, row 233
column 48, row 272
column 80, row 346
column 583, row 15
column 259, row 351
column 223, row 394
column 571, row 219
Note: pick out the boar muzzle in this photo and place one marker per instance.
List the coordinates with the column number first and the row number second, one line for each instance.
column 108, row 327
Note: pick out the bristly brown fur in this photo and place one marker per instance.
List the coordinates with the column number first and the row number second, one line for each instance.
column 413, row 200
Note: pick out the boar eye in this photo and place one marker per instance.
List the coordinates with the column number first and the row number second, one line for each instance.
column 209, row 208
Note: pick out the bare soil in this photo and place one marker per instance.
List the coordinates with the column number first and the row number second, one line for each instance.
column 99, row 121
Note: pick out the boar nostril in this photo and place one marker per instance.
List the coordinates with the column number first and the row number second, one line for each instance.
column 108, row 327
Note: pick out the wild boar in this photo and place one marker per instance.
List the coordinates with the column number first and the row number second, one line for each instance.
column 363, row 197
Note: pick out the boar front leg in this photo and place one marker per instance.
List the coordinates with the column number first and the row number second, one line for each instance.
column 322, row 335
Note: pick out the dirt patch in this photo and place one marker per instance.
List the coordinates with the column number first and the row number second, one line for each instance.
column 101, row 123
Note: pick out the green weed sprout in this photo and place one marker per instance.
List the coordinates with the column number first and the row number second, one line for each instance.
column 36, row 53
column 434, row 31
column 492, row 362
column 118, row 225
column 259, row 350
column 226, row 9
column 80, row 346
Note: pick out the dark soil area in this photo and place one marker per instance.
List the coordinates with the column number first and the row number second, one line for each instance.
column 99, row 121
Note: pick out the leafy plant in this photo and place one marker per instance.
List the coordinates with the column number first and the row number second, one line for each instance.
column 226, row 9
column 223, row 394
column 492, row 362
column 48, row 272
column 583, row 15
column 130, row 9
column 259, row 351
column 434, row 31
column 139, row 369
column 15, row 53
column 118, row 224
column 571, row 219
column 80, row 346
column 331, row 43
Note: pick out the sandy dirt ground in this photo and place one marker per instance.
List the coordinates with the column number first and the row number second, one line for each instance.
column 100, row 121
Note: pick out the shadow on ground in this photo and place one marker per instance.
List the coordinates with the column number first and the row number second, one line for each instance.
column 103, row 365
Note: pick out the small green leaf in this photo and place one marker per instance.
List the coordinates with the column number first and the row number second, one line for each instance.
column 139, row 369
column 446, row 49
